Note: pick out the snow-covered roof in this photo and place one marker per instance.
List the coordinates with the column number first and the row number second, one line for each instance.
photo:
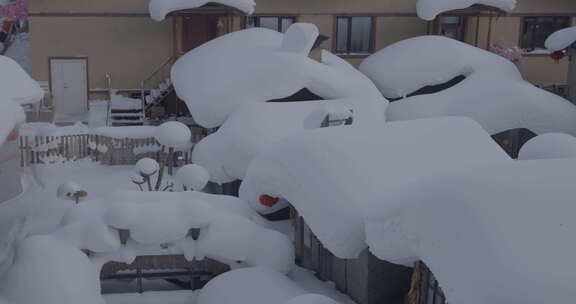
column 160, row 8
column 561, row 39
column 252, row 129
column 234, row 70
column 493, row 92
column 329, row 174
column 16, row 84
column 549, row 146
column 510, row 225
column 429, row 9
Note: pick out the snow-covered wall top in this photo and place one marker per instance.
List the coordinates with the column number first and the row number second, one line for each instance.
column 258, row 65
column 16, row 84
column 429, row 9
column 160, row 8
column 330, row 174
column 508, row 224
column 493, row 92
column 561, row 39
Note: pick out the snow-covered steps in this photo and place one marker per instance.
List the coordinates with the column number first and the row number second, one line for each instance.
column 131, row 117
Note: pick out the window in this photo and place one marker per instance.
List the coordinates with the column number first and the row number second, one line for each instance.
column 537, row 29
column 453, row 27
column 354, row 35
column 280, row 24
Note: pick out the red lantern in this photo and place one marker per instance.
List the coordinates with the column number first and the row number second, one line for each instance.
column 558, row 55
column 268, row 200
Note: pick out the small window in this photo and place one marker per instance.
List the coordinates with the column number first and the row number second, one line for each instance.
column 354, row 35
column 280, row 24
column 537, row 29
column 453, row 27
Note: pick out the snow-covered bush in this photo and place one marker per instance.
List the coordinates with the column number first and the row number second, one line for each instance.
column 561, row 39
column 147, row 167
column 193, row 177
column 149, row 172
column 549, row 146
column 71, row 191
column 9, row 239
column 16, row 84
column 173, row 134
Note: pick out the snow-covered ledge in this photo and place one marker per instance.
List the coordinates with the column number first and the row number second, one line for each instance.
column 429, row 9
column 160, row 8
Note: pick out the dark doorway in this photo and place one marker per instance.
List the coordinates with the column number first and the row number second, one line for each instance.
column 198, row 29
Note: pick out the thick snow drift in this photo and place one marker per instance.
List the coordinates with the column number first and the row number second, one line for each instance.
column 510, row 225
column 160, row 8
column 429, row 9
column 242, row 64
column 493, row 92
column 48, row 270
column 549, row 146
column 329, row 174
column 561, row 39
column 250, row 130
column 16, row 84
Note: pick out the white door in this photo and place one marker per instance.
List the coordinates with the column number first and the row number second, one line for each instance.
column 69, row 85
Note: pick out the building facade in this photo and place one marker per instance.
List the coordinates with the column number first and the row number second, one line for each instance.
column 119, row 38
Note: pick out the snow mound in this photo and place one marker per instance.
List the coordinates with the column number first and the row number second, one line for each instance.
column 506, row 101
column 250, row 130
column 16, row 84
column 458, row 227
column 329, row 174
column 160, row 8
column 173, row 134
column 428, row 61
column 249, row 285
column 549, row 146
column 193, row 177
column 561, row 39
column 429, row 9
column 57, row 272
column 243, row 61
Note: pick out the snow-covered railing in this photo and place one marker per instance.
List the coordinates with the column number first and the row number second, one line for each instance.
column 98, row 148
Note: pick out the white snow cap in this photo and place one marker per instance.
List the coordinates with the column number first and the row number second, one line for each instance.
column 506, row 101
column 242, row 63
column 60, row 274
column 329, row 174
column 429, row 9
column 16, row 84
column 459, row 222
column 249, row 285
column 147, row 166
column 160, row 8
column 173, row 134
column 561, row 39
column 549, row 146
column 193, row 176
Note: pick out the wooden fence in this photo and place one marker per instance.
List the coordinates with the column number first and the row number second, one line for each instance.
column 103, row 149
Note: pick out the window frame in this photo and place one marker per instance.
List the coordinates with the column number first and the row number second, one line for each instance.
column 372, row 36
column 523, row 28
column 257, row 18
column 462, row 25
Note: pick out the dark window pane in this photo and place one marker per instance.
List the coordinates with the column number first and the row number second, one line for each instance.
column 269, row 23
column 537, row 30
column 342, row 35
column 361, row 35
column 286, row 23
column 251, row 22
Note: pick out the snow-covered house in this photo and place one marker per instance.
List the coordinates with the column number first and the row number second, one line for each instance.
column 328, row 177
column 121, row 40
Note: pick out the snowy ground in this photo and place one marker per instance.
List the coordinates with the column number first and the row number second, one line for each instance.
column 44, row 212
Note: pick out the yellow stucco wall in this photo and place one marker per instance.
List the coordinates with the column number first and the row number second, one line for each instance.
column 129, row 47
column 119, row 37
